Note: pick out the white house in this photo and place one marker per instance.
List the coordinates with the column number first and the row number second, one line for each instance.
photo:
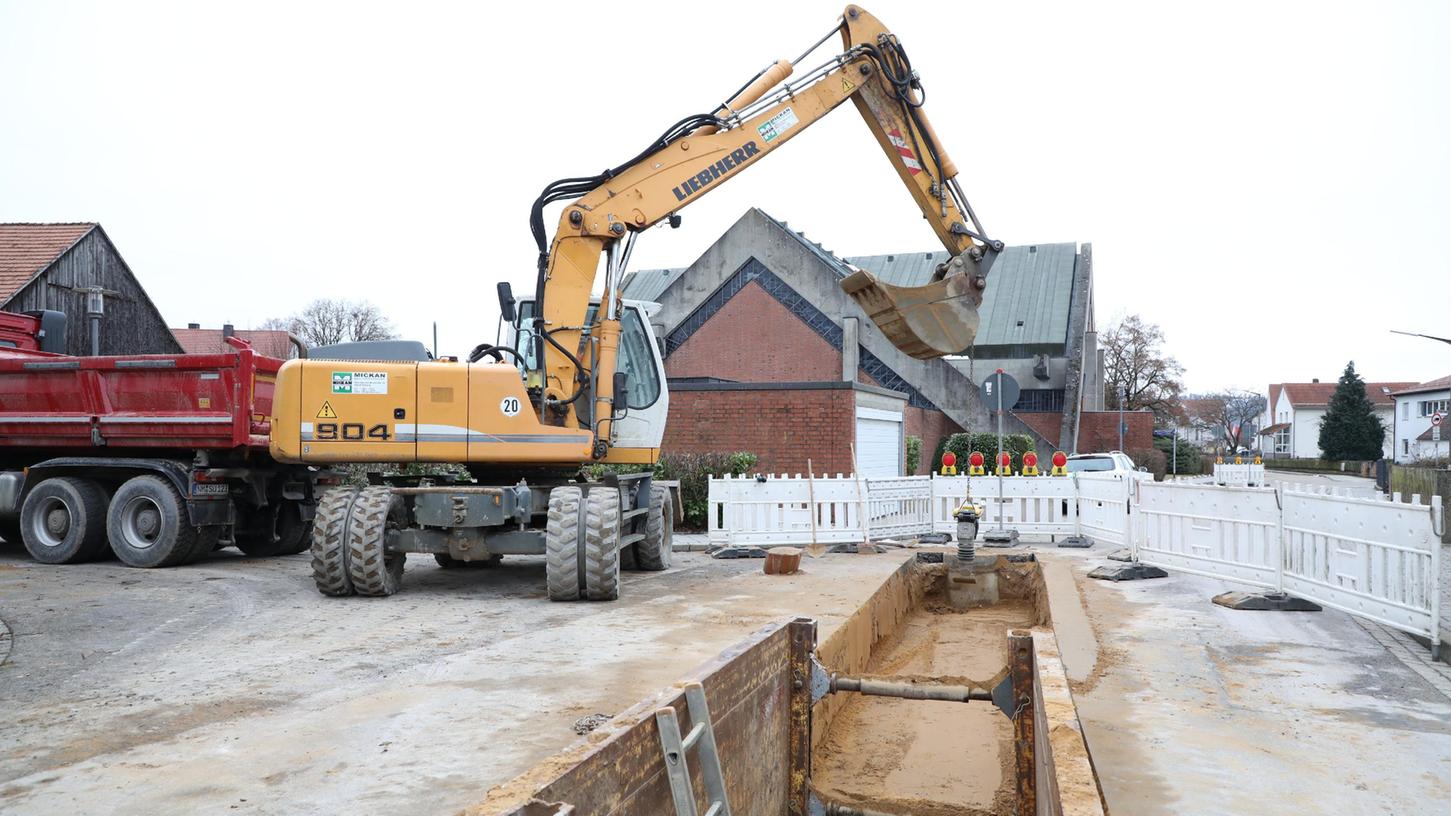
column 1295, row 411
column 1415, row 406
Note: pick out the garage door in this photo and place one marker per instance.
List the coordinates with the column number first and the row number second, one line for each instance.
column 878, row 442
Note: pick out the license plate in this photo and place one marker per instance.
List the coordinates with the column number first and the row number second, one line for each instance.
column 208, row 489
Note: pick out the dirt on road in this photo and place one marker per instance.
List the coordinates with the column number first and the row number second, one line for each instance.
column 232, row 685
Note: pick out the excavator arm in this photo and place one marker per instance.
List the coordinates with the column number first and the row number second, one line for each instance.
column 577, row 362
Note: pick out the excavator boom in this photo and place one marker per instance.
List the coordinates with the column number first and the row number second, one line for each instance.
column 697, row 156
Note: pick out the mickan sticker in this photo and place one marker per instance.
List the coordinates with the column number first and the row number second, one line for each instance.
column 732, row 160
column 777, row 125
column 360, row 382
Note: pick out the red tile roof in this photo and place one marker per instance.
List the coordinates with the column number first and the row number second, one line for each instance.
column 1438, row 384
column 1305, row 395
column 26, row 249
column 272, row 343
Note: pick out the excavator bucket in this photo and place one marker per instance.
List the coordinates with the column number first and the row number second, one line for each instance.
column 924, row 321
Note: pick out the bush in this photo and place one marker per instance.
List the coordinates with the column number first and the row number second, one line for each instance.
column 1189, row 456
column 1152, row 458
column 963, row 444
column 914, row 454
column 693, row 471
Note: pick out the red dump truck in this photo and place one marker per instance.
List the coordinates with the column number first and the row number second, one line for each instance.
column 158, row 459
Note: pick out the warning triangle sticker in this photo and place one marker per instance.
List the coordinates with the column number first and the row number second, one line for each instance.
column 846, row 86
column 326, row 411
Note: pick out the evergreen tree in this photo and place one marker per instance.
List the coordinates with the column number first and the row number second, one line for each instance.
column 1350, row 429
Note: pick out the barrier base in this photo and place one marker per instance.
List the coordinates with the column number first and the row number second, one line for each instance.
column 1265, row 602
column 1000, row 538
column 934, row 538
column 1076, row 542
column 1124, row 554
column 736, row 551
column 1127, row 572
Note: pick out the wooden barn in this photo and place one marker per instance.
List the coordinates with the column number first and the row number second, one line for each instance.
column 60, row 267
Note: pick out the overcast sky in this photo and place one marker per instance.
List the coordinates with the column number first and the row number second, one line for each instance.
column 1269, row 182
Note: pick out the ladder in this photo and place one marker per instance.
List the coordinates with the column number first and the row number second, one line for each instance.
column 675, row 747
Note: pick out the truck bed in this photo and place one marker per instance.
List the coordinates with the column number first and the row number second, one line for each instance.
column 154, row 401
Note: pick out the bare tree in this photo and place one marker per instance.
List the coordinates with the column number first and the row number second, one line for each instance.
column 1228, row 414
column 326, row 321
column 1136, row 363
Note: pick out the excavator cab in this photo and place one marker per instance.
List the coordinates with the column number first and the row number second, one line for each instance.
column 929, row 321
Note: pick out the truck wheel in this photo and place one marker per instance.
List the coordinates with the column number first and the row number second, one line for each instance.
column 652, row 553
column 149, row 527
column 208, row 539
column 329, row 541
column 63, row 521
column 449, row 562
column 602, row 545
column 274, row 530
column 561, row 544
column 374, row 570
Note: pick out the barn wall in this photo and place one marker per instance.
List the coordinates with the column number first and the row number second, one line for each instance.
column 132, row 324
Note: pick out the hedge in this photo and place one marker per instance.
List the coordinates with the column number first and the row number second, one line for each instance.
column 693, row 471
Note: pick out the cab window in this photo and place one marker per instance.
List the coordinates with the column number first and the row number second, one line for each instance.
column 636, row 359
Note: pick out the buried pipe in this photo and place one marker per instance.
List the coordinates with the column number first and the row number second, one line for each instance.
column 824, row 683
column 909, row 691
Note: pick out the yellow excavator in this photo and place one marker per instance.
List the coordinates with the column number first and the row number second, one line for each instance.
column 576, row 380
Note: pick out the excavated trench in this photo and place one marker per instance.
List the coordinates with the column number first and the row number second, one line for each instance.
column 925, row 757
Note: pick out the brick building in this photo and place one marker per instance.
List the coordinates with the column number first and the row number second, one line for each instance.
column 765, row 353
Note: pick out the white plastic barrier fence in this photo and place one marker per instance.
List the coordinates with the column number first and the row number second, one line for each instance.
column 1369, row 557
column 899, row 507
column 1250, row 475
column 1376, row 558
column 1032, row 505
column 1103, row 508
column 779, row 510
column 1225, row 532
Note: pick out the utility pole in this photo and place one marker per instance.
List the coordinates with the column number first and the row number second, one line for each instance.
column 1123, row 395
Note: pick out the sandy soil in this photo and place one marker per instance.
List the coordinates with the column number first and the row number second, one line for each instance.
column 928, row 758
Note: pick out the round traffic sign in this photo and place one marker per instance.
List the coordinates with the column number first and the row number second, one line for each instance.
column 999, row 385
column 1436, row 418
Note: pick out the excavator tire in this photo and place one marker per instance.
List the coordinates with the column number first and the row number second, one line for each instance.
column 652, row 554
column 374, row 570
column 602, row 545
column 561, row 544
column 329, row 548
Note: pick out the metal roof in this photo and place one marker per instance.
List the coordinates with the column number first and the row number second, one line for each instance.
column 1025, row 308
column 1029, row 290
column 649, row 284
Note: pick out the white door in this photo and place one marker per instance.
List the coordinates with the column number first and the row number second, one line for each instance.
column 878, row 442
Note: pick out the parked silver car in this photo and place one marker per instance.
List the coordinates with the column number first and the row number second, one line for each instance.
column 1113, row 463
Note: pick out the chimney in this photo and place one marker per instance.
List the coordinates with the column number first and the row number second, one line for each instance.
column 228, row 330
column 193, row 325
column 1313, row 380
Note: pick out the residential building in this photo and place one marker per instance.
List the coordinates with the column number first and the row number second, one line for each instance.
column 72, row 269
column 1295, row 411
column 1415, row 407
column 272, row 342
column 762, row 345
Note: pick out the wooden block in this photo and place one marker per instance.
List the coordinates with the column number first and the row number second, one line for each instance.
column 783, row 560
